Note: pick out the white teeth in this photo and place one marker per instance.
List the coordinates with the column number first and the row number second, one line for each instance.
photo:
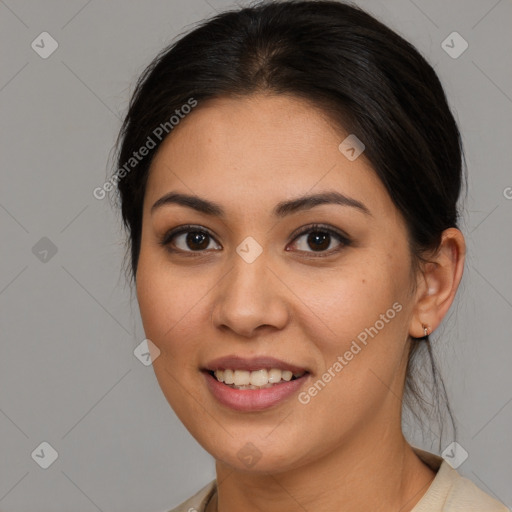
column 259, row 378
column 274, row 376
column 255, row 379
column 287, row 375
column 229, row 377
column 242, row 378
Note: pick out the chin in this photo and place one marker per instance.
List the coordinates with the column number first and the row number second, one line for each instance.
column 255, row 454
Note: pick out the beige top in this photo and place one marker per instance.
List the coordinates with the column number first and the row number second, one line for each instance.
column 448, row 492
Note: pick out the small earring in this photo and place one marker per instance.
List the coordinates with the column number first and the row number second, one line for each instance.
column 426, row 330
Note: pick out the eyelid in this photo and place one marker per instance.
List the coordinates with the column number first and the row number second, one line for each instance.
column 185, row 228
column 344, row 239
column 319, row 227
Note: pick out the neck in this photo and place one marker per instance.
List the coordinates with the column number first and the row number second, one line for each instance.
column 374, row 472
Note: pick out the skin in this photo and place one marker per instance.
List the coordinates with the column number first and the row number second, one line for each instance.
column 344, row 450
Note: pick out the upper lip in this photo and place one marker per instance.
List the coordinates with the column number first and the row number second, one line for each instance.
column 251, row 364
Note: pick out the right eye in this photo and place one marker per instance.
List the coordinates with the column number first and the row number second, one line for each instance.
column 188, row 239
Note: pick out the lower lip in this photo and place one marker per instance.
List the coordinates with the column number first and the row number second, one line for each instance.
column 248, row 400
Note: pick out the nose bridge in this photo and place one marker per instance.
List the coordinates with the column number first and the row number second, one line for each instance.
column 249, row 274
column 248, row 287
column 250, row 296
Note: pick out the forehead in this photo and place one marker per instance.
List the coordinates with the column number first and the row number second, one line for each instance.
column 269, row 146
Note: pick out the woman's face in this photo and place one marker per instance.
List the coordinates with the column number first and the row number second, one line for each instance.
column 252, row 278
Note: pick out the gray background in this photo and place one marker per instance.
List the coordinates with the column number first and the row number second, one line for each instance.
column 69, row 325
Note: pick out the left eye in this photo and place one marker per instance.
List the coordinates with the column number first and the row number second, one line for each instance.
column 320, row 239
column 191, row 241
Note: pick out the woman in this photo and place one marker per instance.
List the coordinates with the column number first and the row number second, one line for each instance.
column 289, row 176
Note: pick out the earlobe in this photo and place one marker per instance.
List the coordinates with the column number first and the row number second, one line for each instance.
column 438, row 283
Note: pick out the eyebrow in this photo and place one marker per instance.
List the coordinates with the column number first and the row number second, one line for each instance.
column 282, row 209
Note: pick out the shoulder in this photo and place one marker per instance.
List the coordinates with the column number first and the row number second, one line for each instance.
column 451, row 492
column 465, row 495
column 197, row 503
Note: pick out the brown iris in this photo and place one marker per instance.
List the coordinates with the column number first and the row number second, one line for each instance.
column 318, row 240
column 197, row 241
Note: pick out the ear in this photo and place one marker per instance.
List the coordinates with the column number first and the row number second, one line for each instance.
column 438, row 281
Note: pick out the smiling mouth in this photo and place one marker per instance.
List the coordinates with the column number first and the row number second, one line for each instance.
column 258, row 379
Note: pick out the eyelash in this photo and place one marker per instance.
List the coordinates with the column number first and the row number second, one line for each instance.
column 165, row 241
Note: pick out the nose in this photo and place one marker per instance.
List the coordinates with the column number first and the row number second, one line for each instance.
column 250, row 299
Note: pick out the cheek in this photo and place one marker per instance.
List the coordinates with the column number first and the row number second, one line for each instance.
column 359, row 314
column 351, row 299
column 170, row 305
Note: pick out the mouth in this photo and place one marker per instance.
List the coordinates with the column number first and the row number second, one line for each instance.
column 253, row 384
